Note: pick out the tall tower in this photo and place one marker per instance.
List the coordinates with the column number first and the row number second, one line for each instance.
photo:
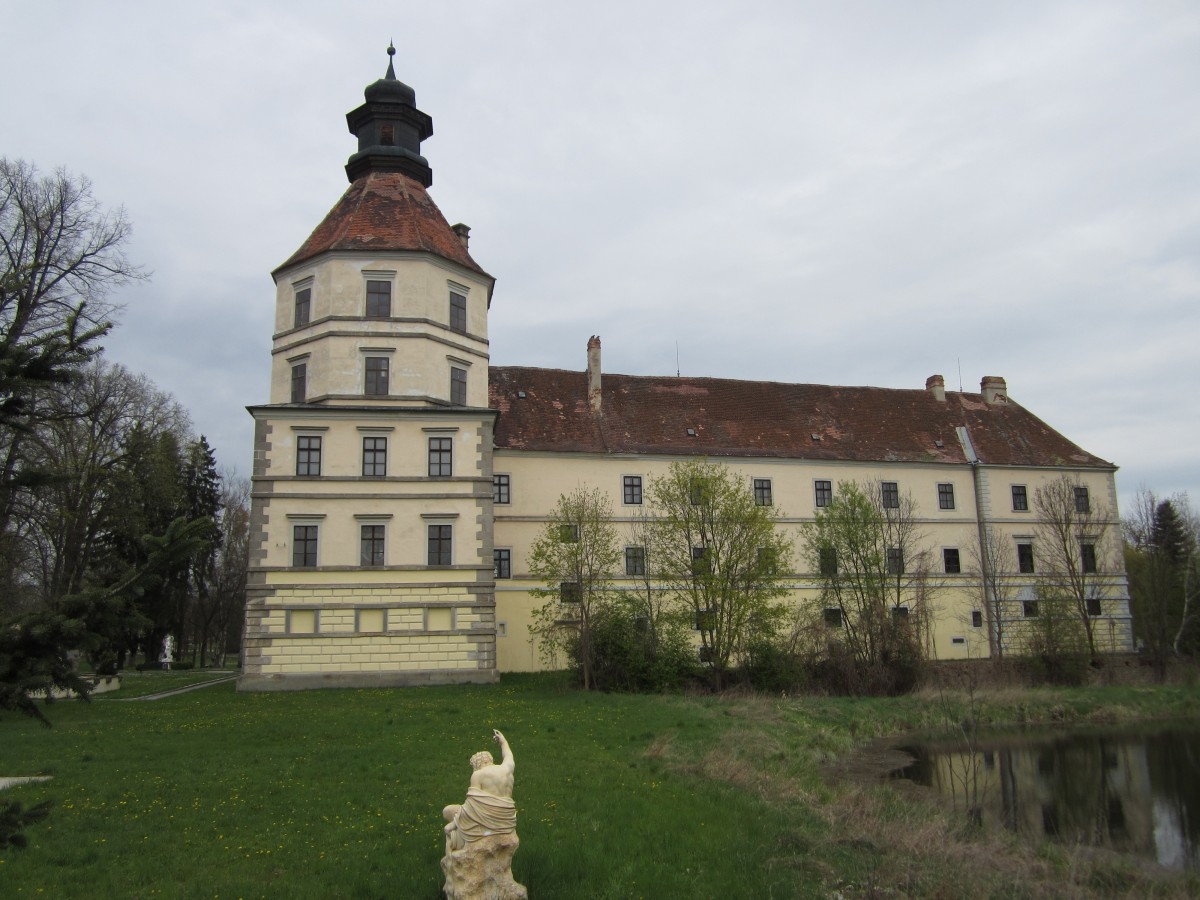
column 371, row 543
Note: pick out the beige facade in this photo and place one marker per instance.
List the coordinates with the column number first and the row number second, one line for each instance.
column 960, row 627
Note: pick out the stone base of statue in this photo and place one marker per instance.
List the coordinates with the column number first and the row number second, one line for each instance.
column 482, row 870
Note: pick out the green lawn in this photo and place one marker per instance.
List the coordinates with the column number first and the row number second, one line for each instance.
column 339, row 794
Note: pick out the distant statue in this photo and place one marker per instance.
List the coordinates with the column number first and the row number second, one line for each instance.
column 168, row 652
column 481, row 833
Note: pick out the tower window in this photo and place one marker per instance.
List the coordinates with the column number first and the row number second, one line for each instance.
column 458, row 313
column 374, row 459
column 387, row 135
column 303, row 306
column 439, row 545
column 299, row 382
column 372, row 545
column 440, row 457
column 458, row 386
column 304, row 546
column 308, row 455
column 376, row 381
column 379, row 299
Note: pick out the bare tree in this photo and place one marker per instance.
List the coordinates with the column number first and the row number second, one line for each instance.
column 1073, row 547
column 61, row 254
column 217, row 611
column 995, row 562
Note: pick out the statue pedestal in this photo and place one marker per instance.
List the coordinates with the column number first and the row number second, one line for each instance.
column 482, row 870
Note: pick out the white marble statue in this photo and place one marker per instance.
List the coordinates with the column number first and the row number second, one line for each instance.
column 168, row 652
column 481, row 832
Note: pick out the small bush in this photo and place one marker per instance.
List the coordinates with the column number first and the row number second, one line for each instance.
column 630, row 655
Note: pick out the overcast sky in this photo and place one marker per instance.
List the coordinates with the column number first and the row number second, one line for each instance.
column 840, row 193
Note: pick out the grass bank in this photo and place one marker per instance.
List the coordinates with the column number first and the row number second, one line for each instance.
column 339, row 794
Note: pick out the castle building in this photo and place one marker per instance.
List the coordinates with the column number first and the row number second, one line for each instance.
column 399, row 481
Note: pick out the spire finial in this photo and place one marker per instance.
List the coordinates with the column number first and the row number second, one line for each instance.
column 391, row 51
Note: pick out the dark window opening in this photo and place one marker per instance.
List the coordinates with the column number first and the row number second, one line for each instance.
column 1020, row 498
column 1025, row 559
column 375, row 384
column 303, row 306
column 458, row 386
column 1029, row 609
column 570, row 592
column 372, row 545
column 833, row 617
column 635, row 560
column 439, row 545
column 458, row 313
column 828, row 561
column 1087, row 558
column 631, row 487
column 440, row 457
column 976, row 618
column 1093, row 606
column 1083, row 501
column 374, row 457
column 299, row 382
column 824, row 492
column 891, row 495
column 501, row 489
column 304, row 546
column 502, row 562
column 945, row 496
column 762, row 491
column 895, row 561
column 952, row 561
column 308, row 455
column 379, row 299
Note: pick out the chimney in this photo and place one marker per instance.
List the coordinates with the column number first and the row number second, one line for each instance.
column 936, row 385
column 994, row 390
column 463, row 232
column 593, row 372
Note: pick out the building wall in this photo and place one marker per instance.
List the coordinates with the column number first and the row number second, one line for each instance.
column 536, row 480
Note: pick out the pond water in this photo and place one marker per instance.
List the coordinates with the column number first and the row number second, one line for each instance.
column 1132, row 789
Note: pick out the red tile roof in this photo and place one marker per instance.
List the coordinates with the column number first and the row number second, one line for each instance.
column 385, row 211
column 651, row 414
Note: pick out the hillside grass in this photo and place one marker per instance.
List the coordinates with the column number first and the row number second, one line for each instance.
column 339, row 794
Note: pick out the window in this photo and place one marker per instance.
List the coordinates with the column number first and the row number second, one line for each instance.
column 387, row 135
column 374, row 457
column 1029, row 609
column 372, row 545
column 439, row 544
column 1093, row 606
column 899, row 613
column 568, row 534
column 945, row 496
column 828, row 561
column 308, row 455
column 762, row 491
column 1087, row 558
column 299, row 382
column 706, row 620
column 304, row 546
column 441, row 460
column 570, row 592
column 890, row 494
column 953, row 563
column 376, row 382
column 502, row 562
column 1083, row 502
column 501, row 489
column 833, row 617
column 1020, row 498
column 824, row 491
column 379, row 299
column 458, row 386
column 631, row 490
column 976, row 618
column 895, row 561
column 303, row 306
column 1025, row 559
column 768, row 560
column 635, row 560
column 458, row 313
column 696, row 493
column 699, row 561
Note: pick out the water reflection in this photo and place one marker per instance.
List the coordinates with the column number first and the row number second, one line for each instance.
column 1130, row 791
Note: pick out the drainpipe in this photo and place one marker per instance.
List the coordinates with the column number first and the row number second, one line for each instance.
column 985, row 573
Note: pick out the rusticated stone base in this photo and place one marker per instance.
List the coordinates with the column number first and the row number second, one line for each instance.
column 482, row 870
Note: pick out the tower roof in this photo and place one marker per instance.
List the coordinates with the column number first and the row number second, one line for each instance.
column 386, row 211
column 389, row 128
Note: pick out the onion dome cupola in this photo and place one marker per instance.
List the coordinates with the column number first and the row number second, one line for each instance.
column 389, row 128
